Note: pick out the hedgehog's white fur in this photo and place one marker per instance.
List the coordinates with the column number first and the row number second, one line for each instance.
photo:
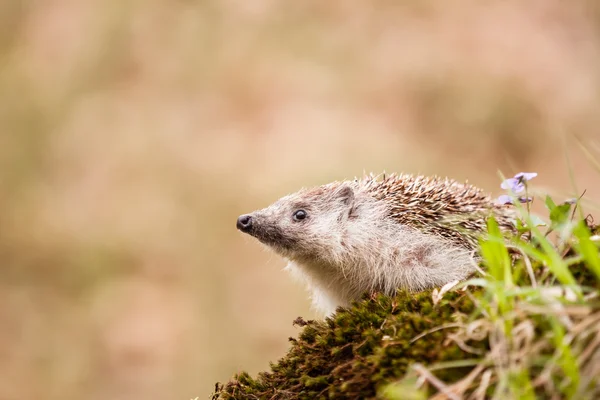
column 385, row 256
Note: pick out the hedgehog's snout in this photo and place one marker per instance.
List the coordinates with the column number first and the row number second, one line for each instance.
column 244, row 223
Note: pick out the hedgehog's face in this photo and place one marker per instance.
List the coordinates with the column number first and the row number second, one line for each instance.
column 303, row 224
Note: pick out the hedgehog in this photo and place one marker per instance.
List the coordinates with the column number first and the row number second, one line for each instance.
column 377, row 234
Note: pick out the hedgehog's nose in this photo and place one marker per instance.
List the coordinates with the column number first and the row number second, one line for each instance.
column 244, row 223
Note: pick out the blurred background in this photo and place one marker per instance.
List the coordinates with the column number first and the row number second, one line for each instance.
column 133, row 133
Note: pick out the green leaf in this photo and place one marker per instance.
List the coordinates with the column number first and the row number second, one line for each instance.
column 495, row 253
column 587, row 248
column 550, row 203
column 559, row 214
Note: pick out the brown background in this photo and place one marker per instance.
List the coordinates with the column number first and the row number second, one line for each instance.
column 133, row 133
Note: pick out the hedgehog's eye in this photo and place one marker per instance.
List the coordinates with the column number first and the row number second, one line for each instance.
column 299, row 215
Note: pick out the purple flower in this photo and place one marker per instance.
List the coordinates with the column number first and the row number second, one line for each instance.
column 504, row 200
column 518, row 182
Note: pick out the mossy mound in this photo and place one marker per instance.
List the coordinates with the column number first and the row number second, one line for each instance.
column 359, row 351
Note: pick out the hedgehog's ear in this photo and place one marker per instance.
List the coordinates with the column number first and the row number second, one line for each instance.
column 345, row 194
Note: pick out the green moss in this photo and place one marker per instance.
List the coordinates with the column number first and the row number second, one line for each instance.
column 357, row 350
